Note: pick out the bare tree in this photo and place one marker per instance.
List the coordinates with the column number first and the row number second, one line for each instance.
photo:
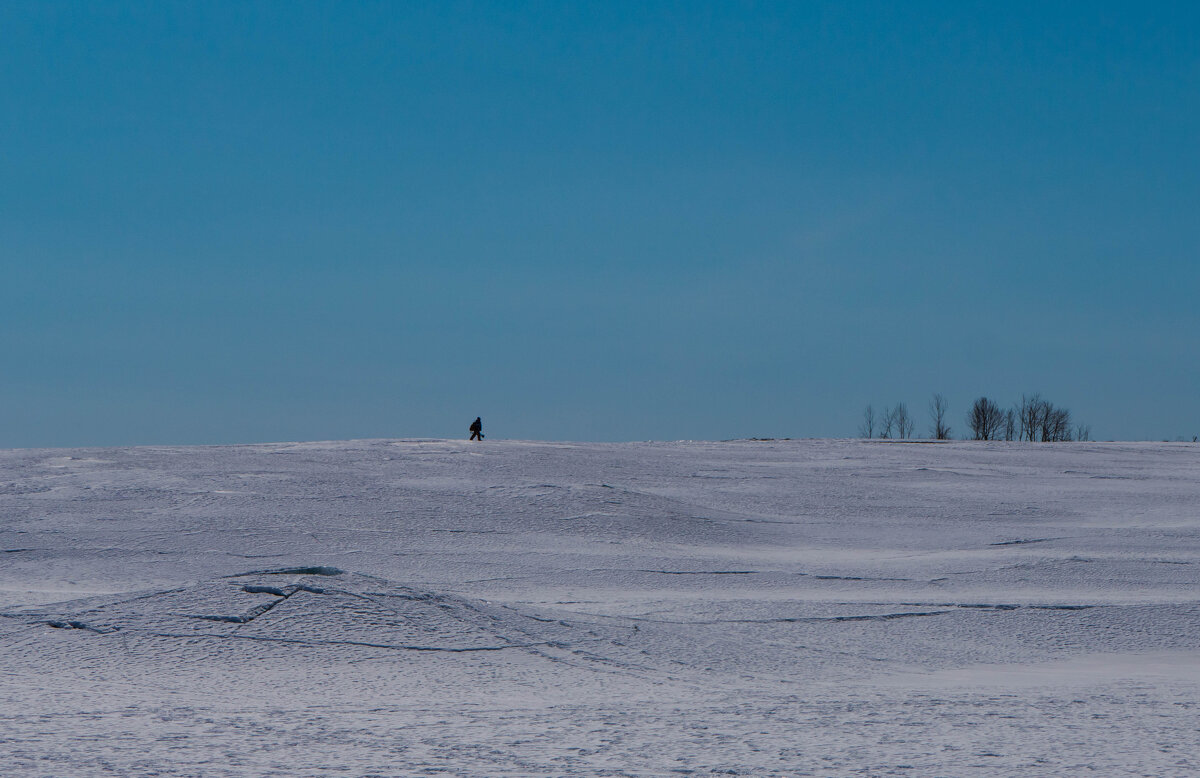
column 937, row 410
column 867, row 428
column 1083, row 432
column 1010, row 424
column 1029, row 415
column 1041, row 420
column 904, row 422
column 985, row 419
column 1056, row 424
column 888, row 425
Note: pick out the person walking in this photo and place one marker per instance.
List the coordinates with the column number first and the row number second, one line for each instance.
column 477, row 429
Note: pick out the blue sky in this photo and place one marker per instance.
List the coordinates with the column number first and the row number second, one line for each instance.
column 227, row 222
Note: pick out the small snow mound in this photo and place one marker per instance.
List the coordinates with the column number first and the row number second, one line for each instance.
column 256, row 615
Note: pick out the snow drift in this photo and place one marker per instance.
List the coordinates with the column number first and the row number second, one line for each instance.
column 513, row 608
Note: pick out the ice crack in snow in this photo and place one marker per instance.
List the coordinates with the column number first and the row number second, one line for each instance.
column 1000, row 606
column 1023, row 542
column 789, row 619
column 78, row 625
column 364, row 644
column 316, row 570
column 283, row 593
column 700, row 572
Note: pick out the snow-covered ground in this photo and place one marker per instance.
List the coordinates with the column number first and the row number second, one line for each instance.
column 396, row 608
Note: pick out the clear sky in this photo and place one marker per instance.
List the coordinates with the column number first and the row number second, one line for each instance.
column 238, row 222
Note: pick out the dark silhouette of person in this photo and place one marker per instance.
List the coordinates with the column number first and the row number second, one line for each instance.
column 477, row 429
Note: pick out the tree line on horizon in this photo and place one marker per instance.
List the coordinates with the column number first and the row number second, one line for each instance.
column 1031, row 419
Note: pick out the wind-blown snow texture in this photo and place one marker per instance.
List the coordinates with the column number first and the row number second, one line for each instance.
column 394, row 608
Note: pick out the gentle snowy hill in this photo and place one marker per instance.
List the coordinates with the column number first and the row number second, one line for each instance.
column 757, row 608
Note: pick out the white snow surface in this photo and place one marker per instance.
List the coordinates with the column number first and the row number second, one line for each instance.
column 754, row 608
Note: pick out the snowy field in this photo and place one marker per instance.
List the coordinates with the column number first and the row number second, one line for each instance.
column 397, row 608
